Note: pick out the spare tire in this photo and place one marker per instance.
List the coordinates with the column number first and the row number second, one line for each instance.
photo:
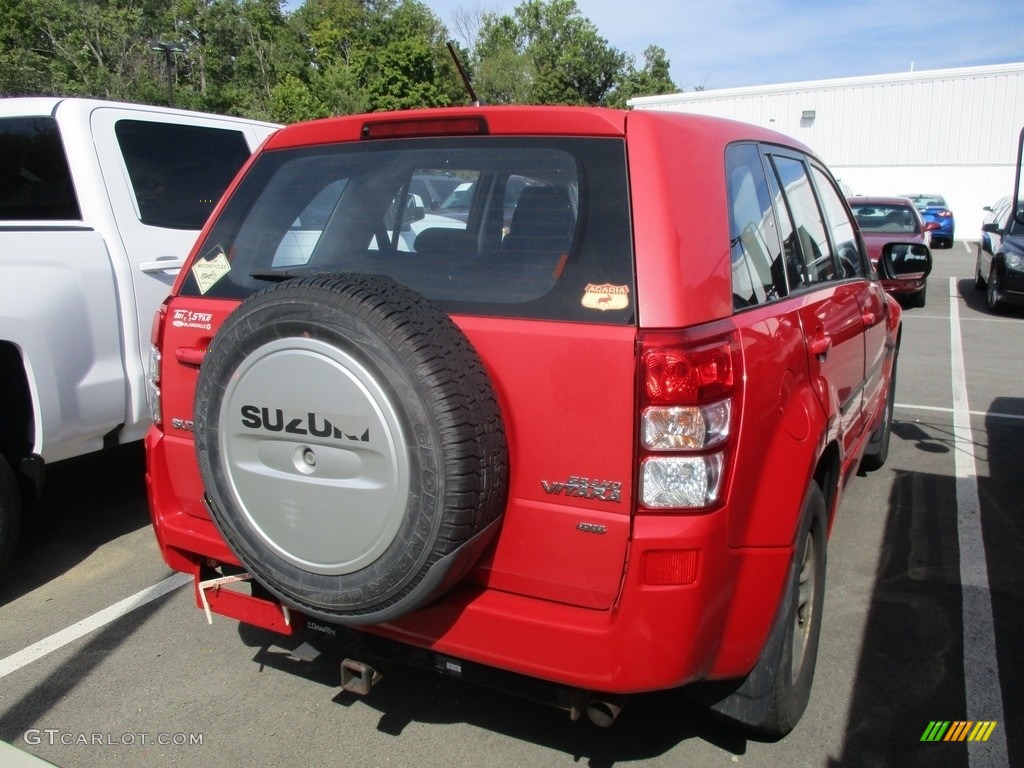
column 351, row 445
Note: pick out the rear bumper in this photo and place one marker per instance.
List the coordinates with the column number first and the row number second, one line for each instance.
column 654, row 637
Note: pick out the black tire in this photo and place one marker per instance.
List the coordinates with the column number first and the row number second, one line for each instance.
column 993, row 296
column 352, row 446
column 979, row 281
column 877, row 452
column 772, row 698
column 801, row 622
column 10, row 513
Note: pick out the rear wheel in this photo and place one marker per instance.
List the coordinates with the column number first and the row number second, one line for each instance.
column 10, row 512
column 878, row 445
column 801, row 623
column 993, row 294
column 772, row 698
column 979, row 281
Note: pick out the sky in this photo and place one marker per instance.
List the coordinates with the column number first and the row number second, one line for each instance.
column 718, row 44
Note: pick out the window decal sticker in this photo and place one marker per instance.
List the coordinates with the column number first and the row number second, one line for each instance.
column 208, row 271
column 605, row 297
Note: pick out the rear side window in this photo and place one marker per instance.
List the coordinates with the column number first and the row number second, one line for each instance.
column 531, row 227
column 179, row 172
column 35, row 182
column 758, row 273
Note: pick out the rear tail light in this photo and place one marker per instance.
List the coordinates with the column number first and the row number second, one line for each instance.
column 156, row 338
column 689, row 399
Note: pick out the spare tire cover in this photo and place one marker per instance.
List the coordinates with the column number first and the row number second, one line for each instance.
column 351, row 445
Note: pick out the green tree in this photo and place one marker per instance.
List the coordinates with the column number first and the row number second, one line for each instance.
column 653, row 79
column 249, row 57
column 545, row 53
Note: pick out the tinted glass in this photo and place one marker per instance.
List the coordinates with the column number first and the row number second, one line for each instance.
column 885, row 218
column 35, row 182
column 536, row 228
column 756, row 249
column 179, row 172
column 841, row 228
column 811, row 241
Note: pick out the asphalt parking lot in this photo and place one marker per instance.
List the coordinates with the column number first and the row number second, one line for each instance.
column 923, row 618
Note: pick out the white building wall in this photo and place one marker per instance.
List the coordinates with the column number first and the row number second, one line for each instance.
column 952, row 132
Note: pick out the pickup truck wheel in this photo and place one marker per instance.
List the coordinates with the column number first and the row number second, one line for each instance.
column 351, row 445
column 10, row 513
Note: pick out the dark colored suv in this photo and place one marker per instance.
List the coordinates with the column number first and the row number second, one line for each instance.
column 591, row 451
column 999, row 266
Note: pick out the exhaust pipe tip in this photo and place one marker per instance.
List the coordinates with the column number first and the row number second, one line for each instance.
column 602, row 713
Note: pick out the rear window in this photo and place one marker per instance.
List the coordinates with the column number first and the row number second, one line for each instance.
column 35, row 182
column 179, row 172
column 530, row 228
column 885, row 218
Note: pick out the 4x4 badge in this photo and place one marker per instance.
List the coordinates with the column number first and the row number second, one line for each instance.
column 605, row 296
column 602, row 490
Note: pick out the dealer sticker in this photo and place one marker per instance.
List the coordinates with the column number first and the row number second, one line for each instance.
column 605, row 297
column 208, row 271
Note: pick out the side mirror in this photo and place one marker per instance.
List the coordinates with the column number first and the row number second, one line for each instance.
column 991, row 227
column 905, row 261
column 414, row 210
column 931, row 226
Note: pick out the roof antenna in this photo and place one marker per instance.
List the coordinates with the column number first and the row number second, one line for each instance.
column 463, row 75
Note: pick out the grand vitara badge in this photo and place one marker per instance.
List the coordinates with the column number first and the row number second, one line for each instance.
column 583, row 487
column 605, row 297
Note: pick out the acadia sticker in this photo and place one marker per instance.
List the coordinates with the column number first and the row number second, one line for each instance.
column 606, row 296
column 208, row 271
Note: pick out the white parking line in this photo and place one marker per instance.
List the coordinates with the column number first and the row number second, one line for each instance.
column 984, row 697
column 985, row 414
column 58, row 640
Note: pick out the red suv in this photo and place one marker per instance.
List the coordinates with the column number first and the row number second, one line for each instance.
column 594, row 449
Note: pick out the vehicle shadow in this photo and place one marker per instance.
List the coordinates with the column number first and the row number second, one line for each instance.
column 86, row 502
column 650, row 725
column 911, row 667
column 977, row 300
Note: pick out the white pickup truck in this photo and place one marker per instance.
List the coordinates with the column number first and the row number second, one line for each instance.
column 100, row 203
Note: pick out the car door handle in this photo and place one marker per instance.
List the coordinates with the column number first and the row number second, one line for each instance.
column 820, row 345
column 162, row 264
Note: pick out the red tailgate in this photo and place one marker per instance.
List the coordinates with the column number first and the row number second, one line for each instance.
column 566, row 394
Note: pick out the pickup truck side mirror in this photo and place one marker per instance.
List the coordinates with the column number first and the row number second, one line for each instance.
column 991, row 227
column 905, row 261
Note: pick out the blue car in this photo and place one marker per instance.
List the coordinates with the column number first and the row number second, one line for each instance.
column 933, row 208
